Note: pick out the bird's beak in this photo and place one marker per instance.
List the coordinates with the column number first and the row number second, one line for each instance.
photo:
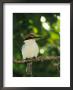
column 37, row 37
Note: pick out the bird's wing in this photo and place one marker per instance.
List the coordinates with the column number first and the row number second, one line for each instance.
column 23, row 51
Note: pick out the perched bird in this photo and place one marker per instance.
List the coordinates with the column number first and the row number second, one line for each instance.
column 30, row 48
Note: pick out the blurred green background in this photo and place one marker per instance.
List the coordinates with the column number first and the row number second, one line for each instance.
column 46, row 25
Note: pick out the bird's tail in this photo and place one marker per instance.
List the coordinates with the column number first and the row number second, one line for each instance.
column 29, row 69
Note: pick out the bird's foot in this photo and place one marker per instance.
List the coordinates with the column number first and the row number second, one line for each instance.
column 27, row 58
column 34, row 57
column 31, row 58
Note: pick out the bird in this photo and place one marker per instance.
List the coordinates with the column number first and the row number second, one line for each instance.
column 30, row 47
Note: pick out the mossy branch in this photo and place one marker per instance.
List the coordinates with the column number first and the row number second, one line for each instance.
column 40, row 58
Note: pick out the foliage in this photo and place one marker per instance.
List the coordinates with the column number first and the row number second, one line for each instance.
column 46, row 25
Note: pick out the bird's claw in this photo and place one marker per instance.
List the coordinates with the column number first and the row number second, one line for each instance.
column 27, row 58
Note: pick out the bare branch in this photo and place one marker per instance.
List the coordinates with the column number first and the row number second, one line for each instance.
column 40, row 58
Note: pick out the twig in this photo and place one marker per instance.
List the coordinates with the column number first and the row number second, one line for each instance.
column 40, row 58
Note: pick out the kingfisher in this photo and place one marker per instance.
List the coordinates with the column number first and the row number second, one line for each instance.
column 30, row 47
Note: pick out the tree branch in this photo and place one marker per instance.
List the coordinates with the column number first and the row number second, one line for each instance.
column 40, row 58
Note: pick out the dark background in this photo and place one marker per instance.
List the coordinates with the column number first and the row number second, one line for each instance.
column 45, row 25
column 38, row 1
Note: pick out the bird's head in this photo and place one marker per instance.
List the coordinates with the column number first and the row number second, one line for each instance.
column 32, row 36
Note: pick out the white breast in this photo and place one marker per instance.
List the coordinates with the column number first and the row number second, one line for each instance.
column 30, row 49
